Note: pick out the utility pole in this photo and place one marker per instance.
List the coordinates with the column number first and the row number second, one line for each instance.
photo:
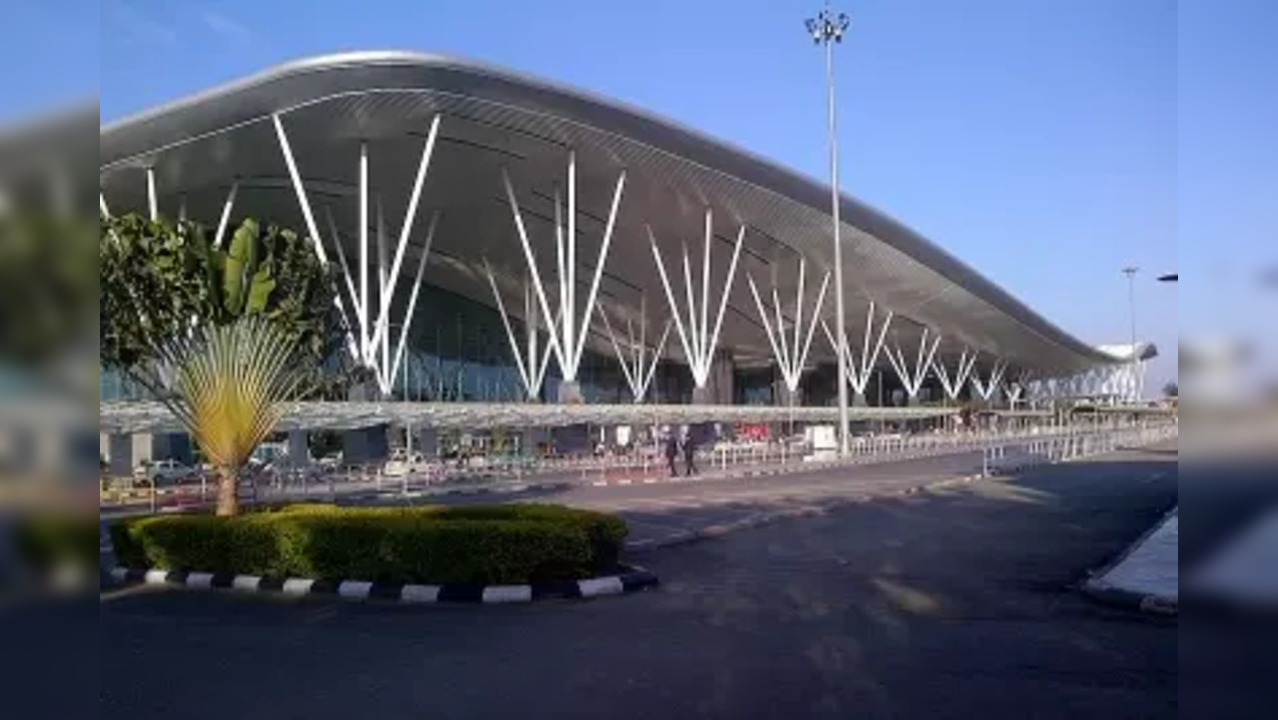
column 1130, row 271
column 827, row 29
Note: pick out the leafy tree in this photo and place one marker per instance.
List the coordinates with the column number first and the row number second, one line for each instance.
column 1171, row 390
column 160, row 281
column 46, row 287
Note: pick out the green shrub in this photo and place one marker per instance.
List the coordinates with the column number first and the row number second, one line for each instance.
column 52, row 540
column 506, row 544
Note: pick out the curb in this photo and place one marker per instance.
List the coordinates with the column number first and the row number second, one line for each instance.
column 1144, row 603
column 631, row 580
column 1147, row 603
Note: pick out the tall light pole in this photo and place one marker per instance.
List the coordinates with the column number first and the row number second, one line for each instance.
column 827, row 29
column 1130, row 271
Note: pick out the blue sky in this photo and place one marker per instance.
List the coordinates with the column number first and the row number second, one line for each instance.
column 1047, row 143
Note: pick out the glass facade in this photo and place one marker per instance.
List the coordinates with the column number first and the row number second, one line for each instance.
column 458, row 352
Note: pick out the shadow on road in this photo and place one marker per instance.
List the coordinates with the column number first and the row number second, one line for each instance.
column 954, row 602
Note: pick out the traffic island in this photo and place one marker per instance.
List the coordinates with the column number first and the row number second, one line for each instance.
column 478, row 553
column 1145, row 577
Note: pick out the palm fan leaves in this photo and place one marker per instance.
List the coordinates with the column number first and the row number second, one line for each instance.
column 226, row 384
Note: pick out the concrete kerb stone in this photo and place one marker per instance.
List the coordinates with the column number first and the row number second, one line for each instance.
column 630, row 579
column 1142, row 602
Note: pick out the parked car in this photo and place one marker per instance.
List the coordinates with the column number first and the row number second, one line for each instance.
column 164, row 472
column 401, row 464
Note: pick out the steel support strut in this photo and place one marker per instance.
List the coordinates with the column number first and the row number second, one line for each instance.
column 857, row 369
column 791, row 354
column 638, row 362
column 368, row 337
column 698, row 337
column 567, row 329
column 912, row 378
column 953, row 384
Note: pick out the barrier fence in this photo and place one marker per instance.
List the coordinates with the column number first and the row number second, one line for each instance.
column 998, row 453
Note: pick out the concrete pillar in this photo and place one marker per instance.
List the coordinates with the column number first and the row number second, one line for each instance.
column 529, row 439
column 427, row 442
column 119, row 455
column 172, row 446
column 366, row 445
column 718, row 389
column 299, row 451
column 569, row 393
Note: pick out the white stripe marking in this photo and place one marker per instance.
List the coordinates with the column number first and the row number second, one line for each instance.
column 297, row 586
column 357, row 589
column 600, row 586
column 507, row 593
column 419, row 594
column 624, row 482
column 246, row 582
column 199, row 580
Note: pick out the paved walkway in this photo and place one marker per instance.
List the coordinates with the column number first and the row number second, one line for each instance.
column 952, row 603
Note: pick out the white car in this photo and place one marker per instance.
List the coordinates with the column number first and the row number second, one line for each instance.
column 164, row 472
column 402, row 464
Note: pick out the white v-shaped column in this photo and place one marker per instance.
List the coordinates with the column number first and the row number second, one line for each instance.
column 912, row 377
column 985, row 388
column 953, row 384
column 369, row 336
column 529, row 361
column 638, row 361
column 859, row 368
column 698, row 337
column 791, row 354
column 566, row 328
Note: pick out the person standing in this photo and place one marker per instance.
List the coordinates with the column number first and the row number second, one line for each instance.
column 672, row 452
column 689, row 454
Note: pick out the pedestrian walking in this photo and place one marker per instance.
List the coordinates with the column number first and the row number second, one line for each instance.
column 689, row 454
column 672, row 452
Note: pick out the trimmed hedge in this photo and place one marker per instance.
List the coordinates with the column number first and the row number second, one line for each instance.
column 501, row 544
column 50, row 541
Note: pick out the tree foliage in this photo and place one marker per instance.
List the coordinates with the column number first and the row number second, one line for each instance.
column 46, row 287
column 161, row 280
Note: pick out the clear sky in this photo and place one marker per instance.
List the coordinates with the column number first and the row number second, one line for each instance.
column 1047, row 143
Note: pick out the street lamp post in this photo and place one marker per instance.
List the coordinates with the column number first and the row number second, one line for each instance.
column 827, row 29
column 1130, row 271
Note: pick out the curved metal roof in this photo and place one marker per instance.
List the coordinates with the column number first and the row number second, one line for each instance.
column 495, row 119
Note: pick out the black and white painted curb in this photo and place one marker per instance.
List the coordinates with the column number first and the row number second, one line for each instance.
column 630, row 580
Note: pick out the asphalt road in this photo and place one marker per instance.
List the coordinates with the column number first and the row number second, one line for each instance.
column 668, row 509
column 956, row 602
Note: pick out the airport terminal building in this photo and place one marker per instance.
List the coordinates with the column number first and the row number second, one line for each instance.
column 501, row 239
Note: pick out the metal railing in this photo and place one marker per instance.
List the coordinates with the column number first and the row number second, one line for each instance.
column 999, row 452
